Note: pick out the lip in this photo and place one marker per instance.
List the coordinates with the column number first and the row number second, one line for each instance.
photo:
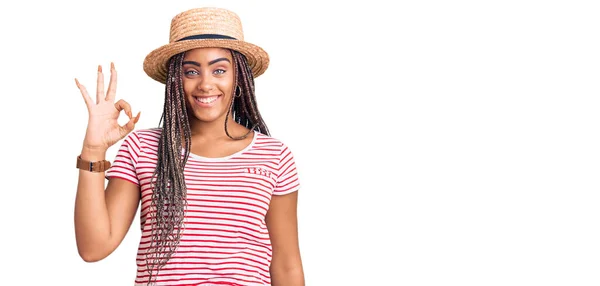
column 204, row 104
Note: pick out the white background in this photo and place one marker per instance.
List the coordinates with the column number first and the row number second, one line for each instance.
column 438, row 143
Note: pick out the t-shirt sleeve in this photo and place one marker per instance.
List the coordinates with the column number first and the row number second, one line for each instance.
column 287, row 179
column 124, row 165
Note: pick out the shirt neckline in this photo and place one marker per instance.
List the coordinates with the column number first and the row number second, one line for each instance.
column 216, row 159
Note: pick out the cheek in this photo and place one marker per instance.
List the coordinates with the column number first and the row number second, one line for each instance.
column 227, row 87
column 187, row 87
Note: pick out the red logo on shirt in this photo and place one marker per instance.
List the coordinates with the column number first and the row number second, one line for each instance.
column 260, row 171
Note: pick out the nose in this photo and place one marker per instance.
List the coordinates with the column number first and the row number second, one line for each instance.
column 205, row 84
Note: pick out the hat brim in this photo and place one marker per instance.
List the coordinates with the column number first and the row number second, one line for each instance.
column 155, row 63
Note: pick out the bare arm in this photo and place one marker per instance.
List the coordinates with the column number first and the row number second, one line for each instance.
column 282, row 222
column 102, row 217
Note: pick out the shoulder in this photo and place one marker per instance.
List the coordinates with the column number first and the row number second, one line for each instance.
column 148, row 132
column 142, row 138
column 271, row 143
column 148, row 135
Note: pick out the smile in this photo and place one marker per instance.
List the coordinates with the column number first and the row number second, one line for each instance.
column 206, row 100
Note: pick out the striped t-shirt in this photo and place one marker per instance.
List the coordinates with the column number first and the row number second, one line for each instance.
column 225, row 240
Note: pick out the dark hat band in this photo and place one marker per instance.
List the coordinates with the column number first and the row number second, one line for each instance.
column 206, row 36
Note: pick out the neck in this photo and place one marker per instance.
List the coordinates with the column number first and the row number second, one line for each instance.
column 216, row 129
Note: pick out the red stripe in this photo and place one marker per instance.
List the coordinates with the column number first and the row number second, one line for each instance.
column 144, row 247
column 158, row 280
column 122, row 178
column 219, row 210
column 288, row 181
column 236, row 237
column 166, row 272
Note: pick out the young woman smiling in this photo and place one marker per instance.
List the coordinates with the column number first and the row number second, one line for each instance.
column 218, row 194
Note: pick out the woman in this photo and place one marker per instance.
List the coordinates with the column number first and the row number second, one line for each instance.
column 218, row 195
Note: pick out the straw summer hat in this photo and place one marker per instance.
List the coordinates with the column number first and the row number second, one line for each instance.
column 204, row 28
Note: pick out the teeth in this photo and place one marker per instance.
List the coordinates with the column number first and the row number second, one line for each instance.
column 206, row 99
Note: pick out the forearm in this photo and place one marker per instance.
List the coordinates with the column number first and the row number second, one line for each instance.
column 287, row 277
column 92, row 223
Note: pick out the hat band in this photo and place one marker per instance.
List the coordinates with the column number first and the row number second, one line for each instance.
column 206, row 36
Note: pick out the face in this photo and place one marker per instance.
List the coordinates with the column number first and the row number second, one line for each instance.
column 208, row 77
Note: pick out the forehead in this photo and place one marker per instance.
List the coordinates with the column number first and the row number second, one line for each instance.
column 207, row 54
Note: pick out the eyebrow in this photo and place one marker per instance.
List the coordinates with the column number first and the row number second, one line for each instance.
column 209, row 63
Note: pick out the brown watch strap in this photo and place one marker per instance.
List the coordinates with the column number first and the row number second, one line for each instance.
column 98, row 166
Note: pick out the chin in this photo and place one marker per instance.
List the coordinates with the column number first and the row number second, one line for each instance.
column 209, row 117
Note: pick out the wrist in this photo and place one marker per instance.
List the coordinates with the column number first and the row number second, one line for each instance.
column 93, row 154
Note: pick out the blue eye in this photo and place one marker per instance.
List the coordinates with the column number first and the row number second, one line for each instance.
column 190, row 72
column 219, row 71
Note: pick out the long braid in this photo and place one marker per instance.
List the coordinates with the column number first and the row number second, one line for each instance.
column 169, row 190
column 167, row 208
column 244, row 107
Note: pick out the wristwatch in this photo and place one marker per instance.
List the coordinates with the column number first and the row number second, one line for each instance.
column 96, row 167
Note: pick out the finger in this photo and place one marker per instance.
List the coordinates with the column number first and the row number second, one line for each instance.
column 100, row 85
column 137, row 118
column 84, row 94
column 128, row 127
column 123, row 105
column 112, row 85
